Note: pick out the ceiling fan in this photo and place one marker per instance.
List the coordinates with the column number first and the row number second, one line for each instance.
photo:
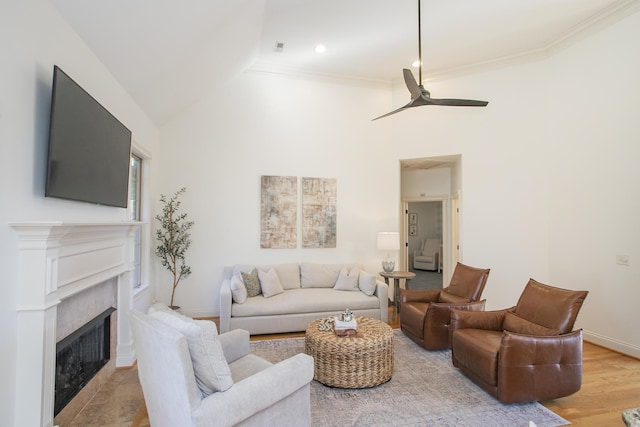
column 419, row 95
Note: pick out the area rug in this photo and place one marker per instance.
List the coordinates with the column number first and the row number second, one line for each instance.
column 425, row 390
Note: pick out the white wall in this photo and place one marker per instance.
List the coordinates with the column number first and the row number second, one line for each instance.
column 268, row 125
column 594, row 147
column 501, row 154
column 422, row 183
column 549, row 190
column 33, row 37
column 548, row 173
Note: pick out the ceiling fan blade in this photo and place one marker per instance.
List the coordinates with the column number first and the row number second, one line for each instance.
column 459, row 102
column 404, row 107
column 411, row 83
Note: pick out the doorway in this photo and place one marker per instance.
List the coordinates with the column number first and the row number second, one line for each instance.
column 425, row 221
column 430, row 200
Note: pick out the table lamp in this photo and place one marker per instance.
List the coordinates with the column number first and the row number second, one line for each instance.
column 388, row 241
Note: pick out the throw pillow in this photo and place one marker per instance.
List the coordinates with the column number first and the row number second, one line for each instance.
column 347, row 280
column 238, row 290
column 210, row 368
column 252, row 283
column 367, row 283
column 270, row 283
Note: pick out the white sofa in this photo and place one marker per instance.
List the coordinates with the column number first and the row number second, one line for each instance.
column 309, row 292
column 256, row 392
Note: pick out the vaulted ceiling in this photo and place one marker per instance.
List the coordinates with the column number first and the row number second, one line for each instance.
column 167, row 53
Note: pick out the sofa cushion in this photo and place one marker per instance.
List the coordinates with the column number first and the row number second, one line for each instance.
column 289, row 274
column 347, row 280
column 210, row 368
column 312, row 300
column 270, row 283
column 238, row 290
column 247, row 366
column 367, row 282
column 252, row 282
column 320, row 275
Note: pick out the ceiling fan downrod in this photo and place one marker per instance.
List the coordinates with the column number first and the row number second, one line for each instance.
column 419, row 45
column 419, row 95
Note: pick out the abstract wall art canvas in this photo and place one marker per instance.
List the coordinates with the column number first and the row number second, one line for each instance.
column 278, row 212
column 319, row 197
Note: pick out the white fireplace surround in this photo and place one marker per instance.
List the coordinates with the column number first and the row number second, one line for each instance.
column 57, row 260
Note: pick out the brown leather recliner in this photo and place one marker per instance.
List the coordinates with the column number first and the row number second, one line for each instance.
column 425, row 314
column 526, row 353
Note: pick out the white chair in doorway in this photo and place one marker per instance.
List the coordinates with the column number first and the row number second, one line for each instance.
column 428, row 257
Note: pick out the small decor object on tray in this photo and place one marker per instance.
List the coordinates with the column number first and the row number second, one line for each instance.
column 345, row 325
column 346, row 316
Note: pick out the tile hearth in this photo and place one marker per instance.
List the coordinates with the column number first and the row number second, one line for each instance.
column 119, row 403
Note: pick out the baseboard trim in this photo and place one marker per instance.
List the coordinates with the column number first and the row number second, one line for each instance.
column 615, row 345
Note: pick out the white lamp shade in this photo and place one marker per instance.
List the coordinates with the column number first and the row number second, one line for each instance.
column 388, row 241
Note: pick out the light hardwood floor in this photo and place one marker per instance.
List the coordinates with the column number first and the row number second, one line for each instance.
column 611, row 384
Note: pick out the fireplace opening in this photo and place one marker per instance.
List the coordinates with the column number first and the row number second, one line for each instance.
column 80, row 356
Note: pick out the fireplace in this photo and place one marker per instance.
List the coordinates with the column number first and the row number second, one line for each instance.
column 80, row 356
column 59, row 260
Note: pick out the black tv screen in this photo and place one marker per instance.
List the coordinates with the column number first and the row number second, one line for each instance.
column 89, row 149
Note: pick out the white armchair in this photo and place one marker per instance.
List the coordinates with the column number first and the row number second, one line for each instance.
column 262, row 393
column 427, row 258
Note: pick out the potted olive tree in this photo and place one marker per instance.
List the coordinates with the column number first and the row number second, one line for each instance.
column 173, row 239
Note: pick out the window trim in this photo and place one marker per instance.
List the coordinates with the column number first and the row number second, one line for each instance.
column 143, row 213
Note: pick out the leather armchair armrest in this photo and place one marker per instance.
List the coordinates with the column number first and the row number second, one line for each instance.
column 430, row 295
column 438, row 318
column 488, row 320
column 440, row 313
column 539, row 367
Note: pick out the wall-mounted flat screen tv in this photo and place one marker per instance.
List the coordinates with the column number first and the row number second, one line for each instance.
column 89, row 149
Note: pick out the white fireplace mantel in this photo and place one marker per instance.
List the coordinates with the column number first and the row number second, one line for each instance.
column 57, row 260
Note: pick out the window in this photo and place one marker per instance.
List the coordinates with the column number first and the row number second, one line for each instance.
column 135, row 185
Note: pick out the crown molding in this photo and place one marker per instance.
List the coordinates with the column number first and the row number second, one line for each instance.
column 608, row 16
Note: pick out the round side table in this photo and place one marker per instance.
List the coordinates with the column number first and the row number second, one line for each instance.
column 396, row 276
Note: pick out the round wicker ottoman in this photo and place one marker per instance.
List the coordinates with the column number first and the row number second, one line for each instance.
column 365, row 360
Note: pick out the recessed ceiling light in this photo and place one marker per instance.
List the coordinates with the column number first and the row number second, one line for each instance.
column 321, row 48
